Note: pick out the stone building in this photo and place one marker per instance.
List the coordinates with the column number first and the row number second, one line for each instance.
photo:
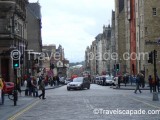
column 49, row 51
column 34, row 39
column 87, row 59
column 127, row 33
column 140, row 34
column 13, row 34
column 106, row 50
column 55, row 60
column 96, row 56
column 113, row 44
column 120, row 34
column 147, row 33
column 133, row 49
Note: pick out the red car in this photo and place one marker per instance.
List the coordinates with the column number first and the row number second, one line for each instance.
column 9, row 87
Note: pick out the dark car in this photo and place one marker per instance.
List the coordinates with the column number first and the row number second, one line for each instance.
column 9, row 87
column 79, row 83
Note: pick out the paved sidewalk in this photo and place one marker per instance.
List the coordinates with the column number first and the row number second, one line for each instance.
column 130, row 87
column 8, row 109
column 46, row 87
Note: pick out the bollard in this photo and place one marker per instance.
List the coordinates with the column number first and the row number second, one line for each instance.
column 155, row 96
column 15, row 97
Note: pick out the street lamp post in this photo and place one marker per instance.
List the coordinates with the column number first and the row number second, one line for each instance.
column 15, row 88
column 15, row 70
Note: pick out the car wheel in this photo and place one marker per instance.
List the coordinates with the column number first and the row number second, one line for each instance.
column 88, row 87
column 81, row 87
column 68, row 89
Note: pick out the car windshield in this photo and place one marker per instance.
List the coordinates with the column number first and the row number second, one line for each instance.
column 108, row 78
column 79, row 79
column 97, row 78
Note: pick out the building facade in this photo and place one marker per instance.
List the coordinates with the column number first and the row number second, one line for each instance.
column 55, row 61
column 13, row 34
column 148, row 33
column 34, row 47
column 120, row 35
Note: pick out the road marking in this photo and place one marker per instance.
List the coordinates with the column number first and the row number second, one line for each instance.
column 23, row 111
column 157, row 107
column 88, row 105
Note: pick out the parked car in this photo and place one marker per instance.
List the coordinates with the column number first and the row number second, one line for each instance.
column 62, row 80
column 79, row 83
column 109, row 80
column 9, row 87
column 97, row 80
column 68, row 80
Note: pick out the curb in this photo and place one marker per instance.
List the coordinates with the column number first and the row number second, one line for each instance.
column 128, row 89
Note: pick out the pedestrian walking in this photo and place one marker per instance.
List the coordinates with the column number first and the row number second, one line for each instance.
column 142, row 81
column 34, row 87
column 150, row 81
column 116, row 82
column 54, row 80
column 26, row 88
column 104, row 79
column 57, row 78
column 137, row 84
column 18, row 86
column 29, row 85
column 125, row 80
column 119, row 81
column 42, row 88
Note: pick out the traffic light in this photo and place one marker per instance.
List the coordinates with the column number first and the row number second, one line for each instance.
column 16, row 64
column 117, row 67
column 150, row 60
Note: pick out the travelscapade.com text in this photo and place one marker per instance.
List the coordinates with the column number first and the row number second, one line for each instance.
column 100, row 111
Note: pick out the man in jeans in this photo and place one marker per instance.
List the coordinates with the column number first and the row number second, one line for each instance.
column 137, row 84
column 42, row 87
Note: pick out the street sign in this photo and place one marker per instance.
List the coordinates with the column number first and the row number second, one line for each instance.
column 59, row 64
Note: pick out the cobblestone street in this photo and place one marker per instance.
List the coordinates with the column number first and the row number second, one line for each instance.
column 92, row 104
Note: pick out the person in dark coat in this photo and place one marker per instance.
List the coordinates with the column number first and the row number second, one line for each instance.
column 57, row 78
column 119, row 81
column 42, row 88
column 142, row 80
column 29, row 85
column 137, row 84
column 150, row 81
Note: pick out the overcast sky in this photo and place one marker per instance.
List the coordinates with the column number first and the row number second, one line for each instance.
column 74, row 24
